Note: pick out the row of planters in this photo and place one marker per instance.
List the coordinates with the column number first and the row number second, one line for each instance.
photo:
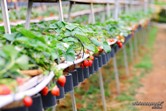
column 27, row 53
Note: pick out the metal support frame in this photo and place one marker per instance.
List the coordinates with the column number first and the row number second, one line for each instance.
column 135, row 44
column 69, row 12
column 116, row 12
column 92, row 15
column 73, row 100
column 61, row 18
column 5, row 16
column 125, row 61
column 116, row 75
column 131, row 49
column 102, row 90
column 29, row 9
column 108, row 9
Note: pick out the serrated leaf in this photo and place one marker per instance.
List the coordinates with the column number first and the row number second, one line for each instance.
column 22, row 62
column 95, row 41
column 106, row 47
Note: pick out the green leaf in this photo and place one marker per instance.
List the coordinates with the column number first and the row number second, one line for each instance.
column 106, row 47
column 70, row 27
column 10, row 37
column 90, row 47
column 70, row 57
column 95, row 41
column 22, row 62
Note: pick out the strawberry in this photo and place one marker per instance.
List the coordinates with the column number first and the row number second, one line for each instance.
column 91, row 58
column 4, row 90
column 61, row 80
column 45, row 91
column 90, row 62
column 55, row 91
column 86, row 63
column 27, row 101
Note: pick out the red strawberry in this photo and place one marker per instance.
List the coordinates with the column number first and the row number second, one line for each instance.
column 86, row 63
column 27, row 101
column 62, row 80
column 55, row 91
column 4, row 90
column 45, row 91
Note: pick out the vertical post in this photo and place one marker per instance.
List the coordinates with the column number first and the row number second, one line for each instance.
column 5, row 16
column 69, row 12
column 27, row 22
column 116, row 9
column 126, row 6
column 73, row 101
column 114, row 58
column 145, row 6
column 131, row 49
column 116, row 75
column 135, row 44
column 60, row 11
column 102, row 90
column 125, row 61
column 92, row 13
column 108, row 9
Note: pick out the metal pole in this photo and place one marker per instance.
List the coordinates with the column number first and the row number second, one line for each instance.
column 125, row 61
column 102, row 90
column 131, row 49
column 61, row 18
column 116, row 75
column 73, row 101
column 92, row 13
column 135, row 44
column 5, row 16
column 116, row 9
column 27, row 23
column 69, row 12
column 108, row 9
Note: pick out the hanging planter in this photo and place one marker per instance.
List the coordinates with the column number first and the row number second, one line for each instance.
column 80, row 74
column 127, row 38
column 104, row 61
column 69, row 83
column 75, row 77
column 49, row 100
column 96, row 64
column 37, row 103
column 91, row 69
column 100, row 61
column 62, row 92
column 86, row 72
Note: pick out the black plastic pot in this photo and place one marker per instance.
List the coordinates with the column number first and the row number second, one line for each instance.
column 112, row 53
column 96, row 64
column 75, row 78
column 100, row 61
column 62, row 92
column 37, row 103
column 104, row 60
column 108, row 56
column 49, row 100
column 127, row 38
column 21, row 108
column 69, row 83
column 91, row 69
column 80, row 74
column 86, row 72
column 116, row 48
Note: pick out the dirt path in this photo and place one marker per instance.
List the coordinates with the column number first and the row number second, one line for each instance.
column 154, row 84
